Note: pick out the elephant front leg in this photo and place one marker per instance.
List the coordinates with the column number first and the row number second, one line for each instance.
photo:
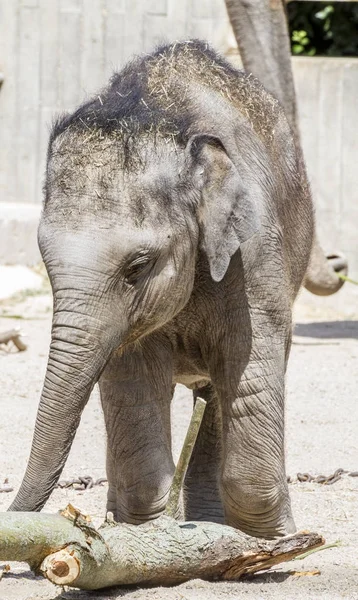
column 253, row 480
column 136, row 399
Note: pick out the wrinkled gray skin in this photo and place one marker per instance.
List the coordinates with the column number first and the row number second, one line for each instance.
column 180, row 268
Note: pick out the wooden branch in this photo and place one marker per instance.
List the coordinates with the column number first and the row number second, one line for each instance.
column 68, row 550
column 184, row 458
column 14, row 335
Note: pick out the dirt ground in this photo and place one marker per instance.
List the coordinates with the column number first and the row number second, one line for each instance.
column 322, row 435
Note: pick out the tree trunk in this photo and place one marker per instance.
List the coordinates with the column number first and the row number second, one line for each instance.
column 68, row 550
column 261, row 32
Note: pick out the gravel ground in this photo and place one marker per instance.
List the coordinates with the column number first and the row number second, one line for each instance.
column 322, row 426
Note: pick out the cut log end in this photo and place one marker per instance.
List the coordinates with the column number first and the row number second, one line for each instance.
column 62, row 568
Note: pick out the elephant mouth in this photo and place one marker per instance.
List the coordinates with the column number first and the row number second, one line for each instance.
column 338, row 262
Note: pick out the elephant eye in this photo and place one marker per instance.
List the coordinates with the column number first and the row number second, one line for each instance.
column 137, row 268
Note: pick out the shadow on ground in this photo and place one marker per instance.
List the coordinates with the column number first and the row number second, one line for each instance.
column 103, row 594
column 328, row 329
column 117, row 592
column 267, row 577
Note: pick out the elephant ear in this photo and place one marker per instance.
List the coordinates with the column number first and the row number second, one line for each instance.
column 227, row 212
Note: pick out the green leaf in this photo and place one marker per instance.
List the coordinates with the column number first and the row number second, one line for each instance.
column 325, row 12
column 297, row 49
column 298, row 35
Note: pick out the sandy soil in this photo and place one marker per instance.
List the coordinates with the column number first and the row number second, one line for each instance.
column 322, row 426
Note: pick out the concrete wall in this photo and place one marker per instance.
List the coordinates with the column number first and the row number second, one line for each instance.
column 54, row 53
column 327, row 90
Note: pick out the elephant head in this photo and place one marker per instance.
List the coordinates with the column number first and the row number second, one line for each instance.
column 121, row 232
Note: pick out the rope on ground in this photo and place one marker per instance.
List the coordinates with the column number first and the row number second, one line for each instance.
column 87, row 482
column 322, row 479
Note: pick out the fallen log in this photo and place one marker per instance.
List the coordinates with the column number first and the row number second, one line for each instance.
column 68, row 550
column 14, row 336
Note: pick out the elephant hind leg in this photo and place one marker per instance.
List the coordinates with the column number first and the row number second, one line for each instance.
column 202, row 497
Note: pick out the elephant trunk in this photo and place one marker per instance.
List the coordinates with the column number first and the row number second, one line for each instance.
column 75, row 362
column 322, row 272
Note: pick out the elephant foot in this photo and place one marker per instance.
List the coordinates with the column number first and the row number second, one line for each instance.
column 260, row 517
column 262, row 526
column 129, row 510
column 135, row 516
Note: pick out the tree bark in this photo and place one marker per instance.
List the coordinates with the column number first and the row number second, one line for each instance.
column 68, row 550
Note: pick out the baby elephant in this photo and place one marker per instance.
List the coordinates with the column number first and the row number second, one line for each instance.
column 176, row 231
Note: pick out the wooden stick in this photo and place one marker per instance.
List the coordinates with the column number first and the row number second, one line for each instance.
column 14, row 335
column 68, row 550
column 184, row 458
